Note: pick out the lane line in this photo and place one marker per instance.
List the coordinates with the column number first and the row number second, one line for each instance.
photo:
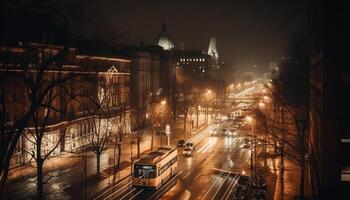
column 111, row 188
column 163, row 186
column 212, row 185
column 128, row 193
column 220, row 186
column 231, row 187
column 118, row 190
column 137, row 194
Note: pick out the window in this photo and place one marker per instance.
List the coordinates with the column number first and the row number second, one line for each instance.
column 145, row 171
column 167, row 165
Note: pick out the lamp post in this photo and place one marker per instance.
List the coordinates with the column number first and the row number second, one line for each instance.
column 206, row 108
column 251, row 121
column 163, row 103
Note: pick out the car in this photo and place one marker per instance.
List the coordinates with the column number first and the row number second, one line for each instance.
column 223, row 131
column 260, row 143
column 181, row 143
column 243, row 180
column 187, row 151
column 233, row 132
column 190, row 145
column 259, row 183
column 258, row 195
column 214, row 132
column 241, row 194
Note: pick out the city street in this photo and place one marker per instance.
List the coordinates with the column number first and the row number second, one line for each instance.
column 211, row 172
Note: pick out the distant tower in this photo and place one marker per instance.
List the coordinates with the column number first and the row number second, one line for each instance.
column 213, row 51
column 164, row 40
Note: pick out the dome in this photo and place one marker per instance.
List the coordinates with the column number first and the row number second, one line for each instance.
column 164, row 40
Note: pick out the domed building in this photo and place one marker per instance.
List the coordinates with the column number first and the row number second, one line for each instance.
column 164, row 40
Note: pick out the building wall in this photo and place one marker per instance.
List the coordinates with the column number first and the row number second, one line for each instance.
column 103, row 79
column 145, row 83
column 329, row 99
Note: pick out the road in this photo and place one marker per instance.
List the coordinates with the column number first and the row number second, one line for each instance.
column 205, row 175
column 210, row 173
column 201, row 176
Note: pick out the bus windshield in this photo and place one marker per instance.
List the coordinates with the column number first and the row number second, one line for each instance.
column 145, row 171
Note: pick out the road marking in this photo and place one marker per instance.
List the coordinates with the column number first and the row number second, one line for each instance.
column 212, row 185
column 231, row 187
column 208, row 147
column 204, row 146
column 136, row 194
column 118, row 190
column 220, row 185
column 189, row 173
column 163, row 186
column 111, row 188
column 195, row 178
column 127, row 193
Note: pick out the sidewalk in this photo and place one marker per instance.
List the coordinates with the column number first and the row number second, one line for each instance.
column 290, row 189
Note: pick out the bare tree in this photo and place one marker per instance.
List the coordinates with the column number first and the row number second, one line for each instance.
column 186, row 101
column 289, row 93
column 42, row 141
column 36, row 90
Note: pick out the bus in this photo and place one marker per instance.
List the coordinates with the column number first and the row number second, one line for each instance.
column 156, row 168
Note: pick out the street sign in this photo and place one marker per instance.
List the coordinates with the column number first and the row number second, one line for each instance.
column 167, row 129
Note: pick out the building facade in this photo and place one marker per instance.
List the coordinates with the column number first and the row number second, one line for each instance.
column 329, row 100
column 96, row 91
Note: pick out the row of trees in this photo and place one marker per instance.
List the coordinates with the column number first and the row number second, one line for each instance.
column 286, row 119
column 190, row 97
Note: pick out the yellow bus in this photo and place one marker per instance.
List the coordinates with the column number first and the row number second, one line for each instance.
column 156, row 168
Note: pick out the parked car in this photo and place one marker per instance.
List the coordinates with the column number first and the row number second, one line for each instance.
column 190, row 145
column 181, row 143
column 187, row 151
column 258, row 195
column 241, row 194
column 259, row 183
column 243, row 180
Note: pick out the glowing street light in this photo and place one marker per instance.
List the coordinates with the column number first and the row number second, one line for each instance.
column 163, row 102
column 249, row 119
column 262, row 105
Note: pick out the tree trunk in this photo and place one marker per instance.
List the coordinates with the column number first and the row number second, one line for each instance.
column 152, row 137
column 119, row 154
column 114, row 163
column 184, row 127
column 138, row 145
column 197, row 113
column 40, row 182
column 98, row 164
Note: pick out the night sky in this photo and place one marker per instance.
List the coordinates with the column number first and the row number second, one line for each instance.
column 248, row 32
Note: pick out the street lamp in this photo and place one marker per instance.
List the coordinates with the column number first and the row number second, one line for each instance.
column 163, row 103
column 208, row 96
column 251, row 121
column 261, row 105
